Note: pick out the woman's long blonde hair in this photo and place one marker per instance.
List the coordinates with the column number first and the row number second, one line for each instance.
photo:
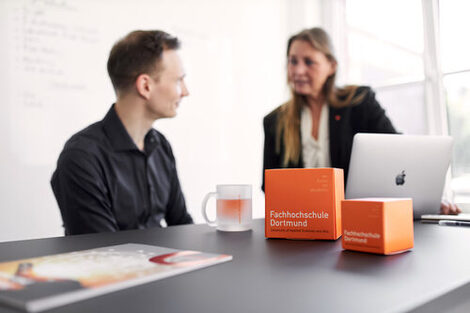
column 288, row 127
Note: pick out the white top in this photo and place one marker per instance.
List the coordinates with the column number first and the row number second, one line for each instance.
column 315, row 153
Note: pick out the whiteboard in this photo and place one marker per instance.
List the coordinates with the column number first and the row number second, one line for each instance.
column 54, row 83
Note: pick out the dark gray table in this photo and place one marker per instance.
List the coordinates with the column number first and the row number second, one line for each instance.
column 282, row 275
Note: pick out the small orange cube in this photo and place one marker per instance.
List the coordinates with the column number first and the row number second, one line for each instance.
column 377, row 225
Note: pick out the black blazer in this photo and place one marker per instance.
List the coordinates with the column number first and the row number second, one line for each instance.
column 365, row 117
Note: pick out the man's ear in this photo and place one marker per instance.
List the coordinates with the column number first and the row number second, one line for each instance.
column 142, row 85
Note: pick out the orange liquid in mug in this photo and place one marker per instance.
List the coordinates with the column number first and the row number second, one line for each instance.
column 233, row 210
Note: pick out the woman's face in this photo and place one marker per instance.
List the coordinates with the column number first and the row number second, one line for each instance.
column 308, row 68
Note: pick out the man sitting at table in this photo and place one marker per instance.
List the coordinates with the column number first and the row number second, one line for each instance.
column 120, row 173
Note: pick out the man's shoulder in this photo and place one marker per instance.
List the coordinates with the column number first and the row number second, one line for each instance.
column 89, row 139
column 82, row 153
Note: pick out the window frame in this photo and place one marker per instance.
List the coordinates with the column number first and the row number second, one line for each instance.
column 334, row 21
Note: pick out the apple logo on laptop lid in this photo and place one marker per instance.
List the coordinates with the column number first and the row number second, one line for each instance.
column 400, row 178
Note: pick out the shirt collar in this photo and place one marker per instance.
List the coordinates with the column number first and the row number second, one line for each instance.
column 151, row 141
column 120, row 138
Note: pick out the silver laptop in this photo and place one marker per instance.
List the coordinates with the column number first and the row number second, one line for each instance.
column 384, row 165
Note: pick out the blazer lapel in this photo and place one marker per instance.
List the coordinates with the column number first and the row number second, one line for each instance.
column 334, row 120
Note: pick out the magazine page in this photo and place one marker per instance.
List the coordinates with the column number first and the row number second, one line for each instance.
column 41, row 283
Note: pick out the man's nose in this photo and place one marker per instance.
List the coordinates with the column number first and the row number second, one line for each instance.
column 184, row 90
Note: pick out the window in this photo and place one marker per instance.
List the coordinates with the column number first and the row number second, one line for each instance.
column 455, row 46
column 418, row 64
column 455, row 60
column 386, row 47
column 385, row 50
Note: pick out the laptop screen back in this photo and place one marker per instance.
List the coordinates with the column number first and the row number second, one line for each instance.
column 384, row 165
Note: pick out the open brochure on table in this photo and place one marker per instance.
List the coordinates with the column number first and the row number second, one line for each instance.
column 45, row 282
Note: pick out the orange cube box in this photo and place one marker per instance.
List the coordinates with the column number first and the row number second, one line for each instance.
column 378, row 225
column 303, row 203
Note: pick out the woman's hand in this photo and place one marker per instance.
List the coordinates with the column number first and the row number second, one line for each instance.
column 449, row 208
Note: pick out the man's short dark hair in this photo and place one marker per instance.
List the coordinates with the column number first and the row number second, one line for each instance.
column 137, row 53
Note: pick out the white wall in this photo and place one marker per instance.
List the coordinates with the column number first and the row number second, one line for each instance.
column 54, row 82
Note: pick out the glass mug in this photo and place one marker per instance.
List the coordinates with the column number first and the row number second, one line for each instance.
column 233, row 209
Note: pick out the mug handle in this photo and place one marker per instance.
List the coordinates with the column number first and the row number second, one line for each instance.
column 204, row 208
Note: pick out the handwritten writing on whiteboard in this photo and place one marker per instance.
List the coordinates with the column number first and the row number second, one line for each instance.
column 53, row 48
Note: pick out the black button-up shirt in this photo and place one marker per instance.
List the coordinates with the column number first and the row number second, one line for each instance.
column 103, row 182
